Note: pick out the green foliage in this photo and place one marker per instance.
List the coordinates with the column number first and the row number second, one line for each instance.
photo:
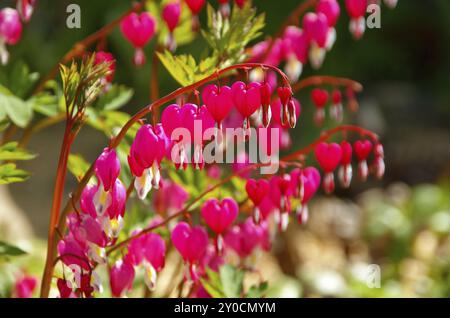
column 83, row 83
column 185, row 69
column 10, row 151
column 7, row 250
column 9, row 174
column 14, row 108
column 77, row 165
column 227, row 39
column 116, row 97
column 229, row 283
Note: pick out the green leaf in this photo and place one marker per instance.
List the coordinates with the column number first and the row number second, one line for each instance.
column 10, row 151
column 229, row 37
column 18, row 111
column 116, row 97
column 10, row 250
column 232, row 281
column 213, row 284
column 185, row 70
column 258, row 291
column 21, row 80
column 77, row 165
column 9, row 174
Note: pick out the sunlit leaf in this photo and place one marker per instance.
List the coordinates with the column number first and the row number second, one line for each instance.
column 10, row 250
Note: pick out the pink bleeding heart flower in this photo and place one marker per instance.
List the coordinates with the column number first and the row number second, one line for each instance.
column 297, row 41
column 363, row 149
column 25, row 9
column 65, row 289
column 116, row 208
column 150, row 251
column 345, row 171
column 305, row 182
column 171, row 15
column 280, row 192
column 10, row 26
column 240, row 3
column 331, row 9
column 170, row 199
column 87, row 200
column 356, row 8
column 218, row 100
column 139, row 29
column 106, row 57
column 276, row 108
column 148, row 149
column 191, row 242
column 319, row 97
column 24, row 286
column 328, row 156
column 257, row 190
column 247, row 236
column 121, row 276
column 195, row 5
column 73, row 252
column 311, row 182
column 285, row 94
column 219, row 215
column 316, row 28
column 246, row 98
column 107, row 168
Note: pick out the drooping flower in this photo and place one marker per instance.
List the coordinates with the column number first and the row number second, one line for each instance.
column 191, row 243
column 25, row 9
column 329, row 156
column 24, row 286
column 257, row 190
column 320, row 99
column 247, row 100
column 121, row 276
column 363, row 148
column 316, row 28
column 357, row 10
column 345, row 171
column 219, row 215
column 10, row 31
column 150, row 251
column 305, row 183
column 146, row 153
column 336, row 110
column 171, row 15
column 195, row 6
column 107, row 170
column 139, row 29
column 170, row 199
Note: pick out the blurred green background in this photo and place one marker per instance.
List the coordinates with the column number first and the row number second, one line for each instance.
column 404, row 67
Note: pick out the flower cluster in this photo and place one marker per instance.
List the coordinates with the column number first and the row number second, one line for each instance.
column 93, row 228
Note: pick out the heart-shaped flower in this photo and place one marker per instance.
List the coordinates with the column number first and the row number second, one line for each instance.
column 107, row 168
column 346, row 152
column 285, row 93
column 191, row 242
column 246, row 98
column 362, row 149
column 220, row 215
column 121, row 277
column 138, row 28
column 195, row 5
column 311, row 182
column 257, row 190
column 328, row 155
column 218, row 100
column 319, row 97
column 316, row 28
column 331, row 9
column 356, row 8
column 171, row 15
